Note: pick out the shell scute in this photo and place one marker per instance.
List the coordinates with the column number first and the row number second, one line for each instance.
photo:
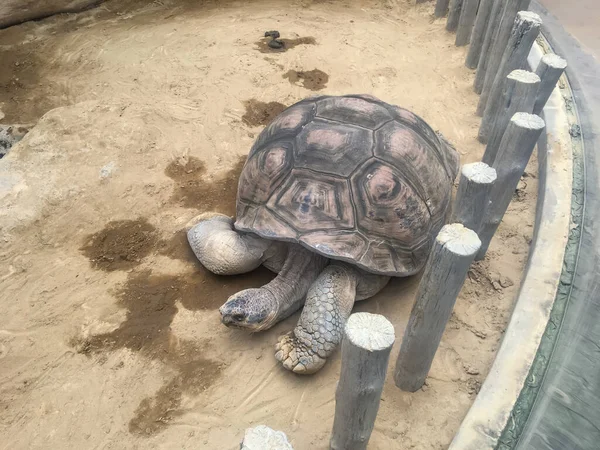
column 333, row 148
column 354, row 110
column 309, row 201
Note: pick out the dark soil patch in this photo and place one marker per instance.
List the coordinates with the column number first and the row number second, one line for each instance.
column 23, row 90
column 154, row 413
column 263, row 44
column 177, row 247
column 315, row 79
column 150, row 300
column 194, row 189
column 121, row 245
column 260, row 113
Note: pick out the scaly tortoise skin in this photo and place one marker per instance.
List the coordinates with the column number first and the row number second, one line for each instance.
column 337, row 195
column 351, row 178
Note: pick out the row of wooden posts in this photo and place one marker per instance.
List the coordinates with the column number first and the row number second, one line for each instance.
column 501, row 34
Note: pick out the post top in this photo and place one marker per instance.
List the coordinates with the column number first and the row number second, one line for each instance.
column 372, row 332
column 526, row 120
column 479, row 172
column 553, row 60
column 530, row 16
column 459, row 240
column 524, row 76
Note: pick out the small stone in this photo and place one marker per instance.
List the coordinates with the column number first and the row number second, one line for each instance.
column 496, row 285
column 265, row 438
column 107, row 170
column 472, row 370
column 506, row 282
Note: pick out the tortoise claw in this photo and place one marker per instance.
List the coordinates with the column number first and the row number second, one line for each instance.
column 296, row 356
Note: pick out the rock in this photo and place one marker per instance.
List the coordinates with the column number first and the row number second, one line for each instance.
column 107, row 170
column 471, row 370
column 9, row 136
column 505, row 282
column 497, row 285
column 264, row 438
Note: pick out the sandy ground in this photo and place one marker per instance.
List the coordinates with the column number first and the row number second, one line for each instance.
column 110, row 336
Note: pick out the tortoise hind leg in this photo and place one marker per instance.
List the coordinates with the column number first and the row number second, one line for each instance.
column 225, row 251
column 328, row 305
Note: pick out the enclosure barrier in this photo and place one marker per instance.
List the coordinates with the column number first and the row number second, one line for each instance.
column 445, row 271
column 519, row 94
column 515, row 150
column 509, row 95
column 498, row 47
column 550, row 69
column 526, row 29
column 366, row 348
column 473, row 194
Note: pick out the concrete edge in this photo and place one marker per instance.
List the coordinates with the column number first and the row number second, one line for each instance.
column 485, row 421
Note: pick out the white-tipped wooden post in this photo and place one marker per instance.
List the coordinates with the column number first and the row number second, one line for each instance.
column 498, row 47
column 366, row 348
column 262, row 437
column 490, row 34
column 441, row 8
column 465, row 23
column 473, row 194
column 478, row 34
column 550, row 69
column 453, row 251
column 520, row 91
column 515, row 150
column 524, row 33
column 454, row 15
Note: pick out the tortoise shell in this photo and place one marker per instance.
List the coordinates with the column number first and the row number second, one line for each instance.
column 352, row 178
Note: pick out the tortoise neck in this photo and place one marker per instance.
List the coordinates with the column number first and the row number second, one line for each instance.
column 300, row 269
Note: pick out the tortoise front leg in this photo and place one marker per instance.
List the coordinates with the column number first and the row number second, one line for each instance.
column 225, row 251
column 328, row 305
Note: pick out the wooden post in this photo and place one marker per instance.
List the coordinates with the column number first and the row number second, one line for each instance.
column 466, row 22
column 493, row 22
column 366, row 350
column 445, row 272
column 265, row 438
column 524, row 33
column 515, row 150
column 498, row 47
column 550, row 69
column 454, row 15
column 441, row 8
column 473, row 195
column 520, row 91
column 478, row 34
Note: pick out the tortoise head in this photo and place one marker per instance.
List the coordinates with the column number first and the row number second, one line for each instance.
column 250, row 309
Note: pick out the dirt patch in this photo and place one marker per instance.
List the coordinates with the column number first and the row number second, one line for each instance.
column 150, row 300
column 22, row 85
column 194, row 189
column 120, row 245
column 177, row 247
column 154, row 413
column 260, row 113
column 315, row 79
column 288, row 44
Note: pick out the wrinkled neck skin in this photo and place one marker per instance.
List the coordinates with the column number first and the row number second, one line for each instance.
column 289, row 288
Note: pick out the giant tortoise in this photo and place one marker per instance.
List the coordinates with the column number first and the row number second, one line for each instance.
column 338, row 194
